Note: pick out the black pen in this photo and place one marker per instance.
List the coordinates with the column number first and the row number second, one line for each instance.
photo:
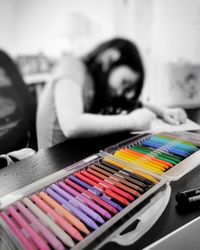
column 188, row 196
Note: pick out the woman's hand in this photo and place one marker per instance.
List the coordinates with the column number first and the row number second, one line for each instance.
column 140, row 119
column 174, row 116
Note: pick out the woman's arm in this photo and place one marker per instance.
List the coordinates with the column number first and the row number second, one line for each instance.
column 173, row 116
column 75, row 123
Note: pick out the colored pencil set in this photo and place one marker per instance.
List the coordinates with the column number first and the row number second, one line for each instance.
column 64, row 213
column 157, row 153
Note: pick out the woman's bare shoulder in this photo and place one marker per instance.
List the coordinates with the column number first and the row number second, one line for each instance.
column 71, row 67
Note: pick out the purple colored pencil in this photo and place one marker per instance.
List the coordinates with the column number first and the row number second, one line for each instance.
column 85, row 200
column 85, row 185
column 76, row 202
column 71, row 208
column 95, row 191
column 112, row 203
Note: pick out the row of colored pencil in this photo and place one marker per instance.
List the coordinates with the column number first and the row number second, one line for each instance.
column 158, row 153
column 64, row 213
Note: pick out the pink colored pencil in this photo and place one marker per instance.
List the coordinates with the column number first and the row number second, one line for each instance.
column 39, row 242
column 25, row 243
column 58, row 219
column 48, row 235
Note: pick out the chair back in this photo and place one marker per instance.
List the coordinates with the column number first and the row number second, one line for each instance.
column 17, row 109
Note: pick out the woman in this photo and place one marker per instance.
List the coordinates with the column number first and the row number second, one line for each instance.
column 97, row 96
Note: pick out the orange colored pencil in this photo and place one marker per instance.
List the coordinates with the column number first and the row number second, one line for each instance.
column 150, row 157
column 70, row 217
column 140, row 160
column 145, row 158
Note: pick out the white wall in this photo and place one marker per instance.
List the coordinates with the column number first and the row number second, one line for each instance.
column 7, row 18
column 176, row 29
column 39, row 24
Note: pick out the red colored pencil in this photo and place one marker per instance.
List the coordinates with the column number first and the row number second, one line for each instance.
column 114, row 182
column 116, row 197
column 92, row 196
column 108, row 185
column 102, row 189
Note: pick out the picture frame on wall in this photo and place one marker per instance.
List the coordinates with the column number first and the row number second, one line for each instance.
column 184, row 84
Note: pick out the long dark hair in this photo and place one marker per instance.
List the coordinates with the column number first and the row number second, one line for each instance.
column 25, row 109
column 130, row 56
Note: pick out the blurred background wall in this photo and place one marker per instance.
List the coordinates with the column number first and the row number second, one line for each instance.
column 44, row 25
column 167, row 33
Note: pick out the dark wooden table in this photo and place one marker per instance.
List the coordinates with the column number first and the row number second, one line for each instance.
column 46, row 162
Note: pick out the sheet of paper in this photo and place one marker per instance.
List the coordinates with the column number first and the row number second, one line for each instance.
column 159, row 125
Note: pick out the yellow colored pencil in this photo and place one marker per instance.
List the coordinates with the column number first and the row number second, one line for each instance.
column 137, row 172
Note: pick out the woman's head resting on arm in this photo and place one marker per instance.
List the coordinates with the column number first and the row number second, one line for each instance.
column 118, row 74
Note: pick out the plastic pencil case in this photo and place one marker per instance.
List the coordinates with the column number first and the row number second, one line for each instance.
column 124, row 227
column 185, row 165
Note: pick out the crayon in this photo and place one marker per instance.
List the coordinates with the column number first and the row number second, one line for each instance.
column 115, row 183
column 116, row 197
column 168, row 155
column 176, row 143
column 117, row 178
column 91, row 196
column 151, row 155
column 85, row 200
column 65, row 213
column 25, row 242
column 106, row 199
column 148, row 158
column 64, row 237
column 173, row 144
column 100, row 194
column 46, row 233
column 168, row 149
column 108, row 185
column 188, row 137
column 142, row 162
column 99, row 188
column 125, row 175
column 159, row 154
column 111, row 202
column 177, row 137
column 85, row 185
column 110, row 164
column 145, row 176
column 90, row 182
column 36, row 238
column 71, row 208
column 77, row 203
column 138, row 165
column 149, row 149
column 64, row 224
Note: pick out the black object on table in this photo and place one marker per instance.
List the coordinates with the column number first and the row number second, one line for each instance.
column 47, row 162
